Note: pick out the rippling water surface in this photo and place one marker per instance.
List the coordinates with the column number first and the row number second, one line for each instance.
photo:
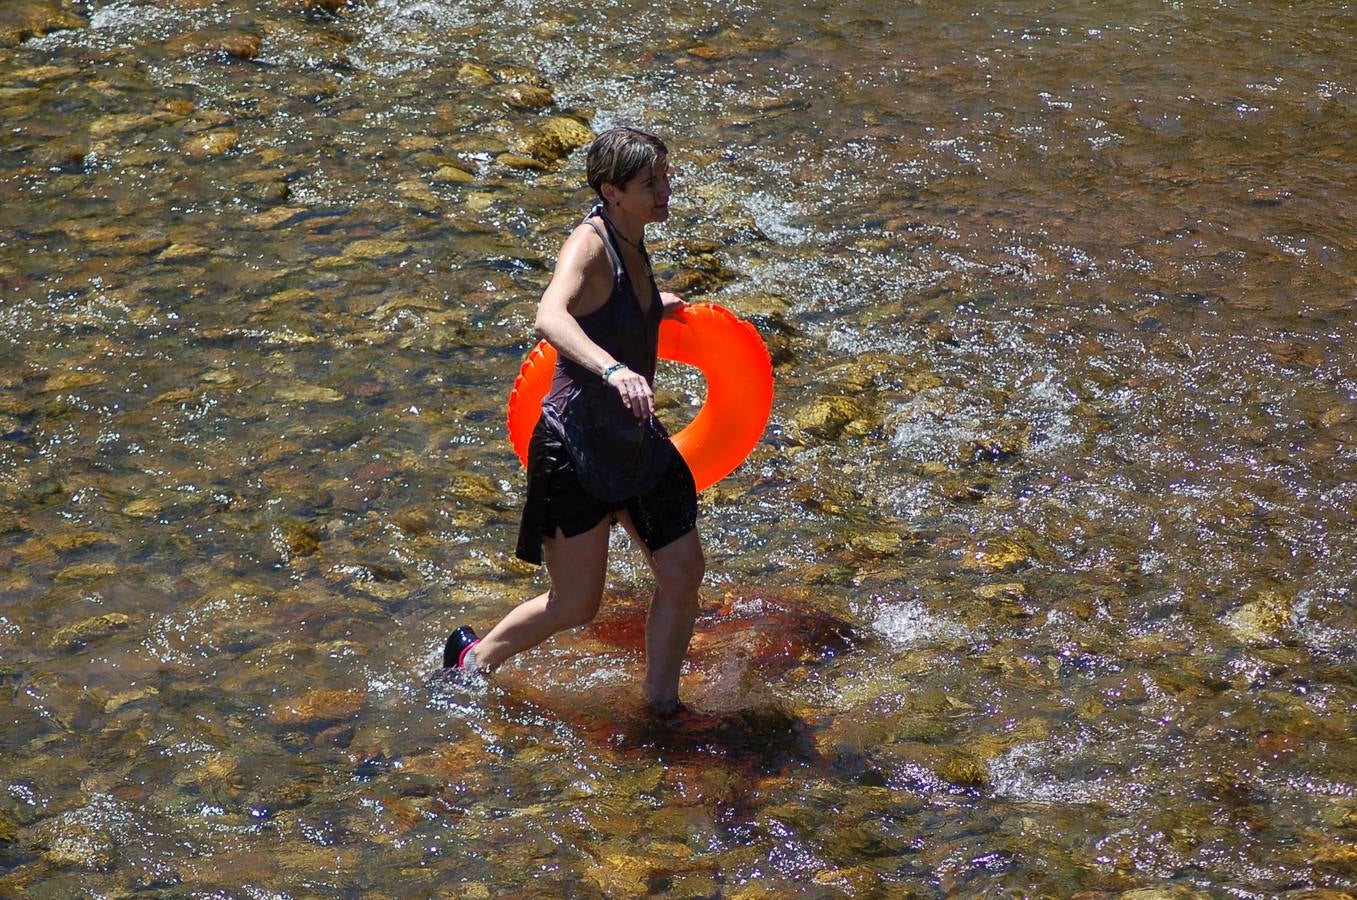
column 1039, row 583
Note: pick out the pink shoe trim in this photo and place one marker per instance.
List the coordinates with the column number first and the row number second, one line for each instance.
column 461, row 657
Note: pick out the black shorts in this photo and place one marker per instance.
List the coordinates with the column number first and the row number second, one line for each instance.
column 556, row 500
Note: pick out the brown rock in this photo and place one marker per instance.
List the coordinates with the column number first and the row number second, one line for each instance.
column 1263, row 618
column 63, row 543
column 211, row 143
column 65, row 381
column 88, row 630
column 452, row 175
column 302, row 539
column 9, row 832
column 556, row 138
column 272, row 218
column 527, row 96
column 34, row 18
column 42, row 74
column 182, row 251
column 121, row 123
column 475, row 75
column 215, row 42
column 998, row 555
column 87, row 572
column 965, row 492
column 315, row 708
column 827, row 418
column 519, row 161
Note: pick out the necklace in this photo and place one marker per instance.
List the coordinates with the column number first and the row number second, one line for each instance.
column 639, row 246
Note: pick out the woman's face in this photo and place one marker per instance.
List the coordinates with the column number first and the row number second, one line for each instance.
column 645, row 198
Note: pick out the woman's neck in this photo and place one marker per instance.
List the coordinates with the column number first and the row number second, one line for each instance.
column 632, row 233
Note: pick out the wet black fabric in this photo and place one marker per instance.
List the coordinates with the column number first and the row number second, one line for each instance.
column 615, row 454
column 557, row 500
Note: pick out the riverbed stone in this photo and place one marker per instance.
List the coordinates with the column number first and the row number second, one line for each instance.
column 320, row 707
column 474, row 74
column 121, row 123
column 143, row 508
column 177, row 252
column 1000, row 555
column 452, row 175
column 308, row 393
column 119, row 700
column 555, row 138
column 69, row 840
column 1262, row 619
column 86, row 631
column 211, row 143
column 66, row 381
column 243, row 45
column 26, row 19
column 877, row 543
column 88, row 571
column 827, row 417
column 526, row 96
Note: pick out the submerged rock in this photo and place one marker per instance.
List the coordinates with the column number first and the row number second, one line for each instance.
column 69, row 840
column 452, row 175
column 316, row 708
column 526, row 96
column 999, row 555
column 556, row 138
column 474, row 74
column 34, row 18
column 1262, row 619
column 87, row 572
column 211, row 143
column 828, row 417
column 88, row 630
column 242, row 45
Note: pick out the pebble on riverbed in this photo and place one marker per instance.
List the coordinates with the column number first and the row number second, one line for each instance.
column 320, row 707
column 1262, row 619
column 999, row 555
column 241, row 45
column 211, row 143
column 34, row 18
column 87, row 631
column 555, row 138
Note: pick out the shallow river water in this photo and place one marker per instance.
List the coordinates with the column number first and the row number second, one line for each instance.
column 1040, row 582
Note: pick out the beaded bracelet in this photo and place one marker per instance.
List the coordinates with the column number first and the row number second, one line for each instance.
column 613, row 370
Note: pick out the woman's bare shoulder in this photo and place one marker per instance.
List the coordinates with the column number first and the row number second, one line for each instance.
column 584, row 251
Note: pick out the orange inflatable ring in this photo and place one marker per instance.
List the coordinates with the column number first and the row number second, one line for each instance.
column 739, row 374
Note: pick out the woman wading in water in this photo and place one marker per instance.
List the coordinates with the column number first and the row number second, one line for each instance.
column 599, row 456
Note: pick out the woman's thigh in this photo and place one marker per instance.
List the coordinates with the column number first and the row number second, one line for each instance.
column 578, row 565
column 679, row 560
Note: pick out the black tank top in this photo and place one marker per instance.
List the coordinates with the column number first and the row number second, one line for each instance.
column 616, row 455
column 620, row 326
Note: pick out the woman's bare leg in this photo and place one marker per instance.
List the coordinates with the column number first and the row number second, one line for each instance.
column 678, row 568
column 577, row 567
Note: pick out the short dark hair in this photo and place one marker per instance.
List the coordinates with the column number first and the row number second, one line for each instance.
column 618, row 154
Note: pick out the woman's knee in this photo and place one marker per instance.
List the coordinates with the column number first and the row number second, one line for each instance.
column 571, row 610
column 679, row 568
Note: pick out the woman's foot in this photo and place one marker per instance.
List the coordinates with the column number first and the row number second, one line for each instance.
column 665, row 709
column 460, row 650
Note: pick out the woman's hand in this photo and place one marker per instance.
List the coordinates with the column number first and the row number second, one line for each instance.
column 635, row 392
column 673, row 304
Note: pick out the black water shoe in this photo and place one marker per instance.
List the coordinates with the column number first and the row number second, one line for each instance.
column 458, row 653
